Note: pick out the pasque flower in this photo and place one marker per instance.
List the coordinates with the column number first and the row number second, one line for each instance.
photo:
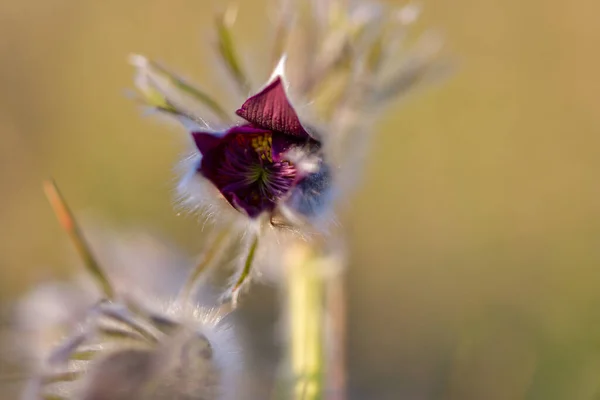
column 269, row 167
column 291, row 163
column 346, row 62
column 255, row 165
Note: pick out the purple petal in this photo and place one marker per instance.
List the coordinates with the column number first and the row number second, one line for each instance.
column 253, row 211
column 271, row 109
column 245, row 129
column 207, row 141
column 280, row 145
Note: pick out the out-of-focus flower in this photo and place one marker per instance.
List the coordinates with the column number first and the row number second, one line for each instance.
column 142, row 267
column 128, row 352
column 125, row 331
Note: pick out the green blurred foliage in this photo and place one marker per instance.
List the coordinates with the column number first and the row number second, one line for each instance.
column 475, row 237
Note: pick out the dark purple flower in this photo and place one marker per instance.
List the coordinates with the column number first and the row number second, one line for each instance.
column 250, row 163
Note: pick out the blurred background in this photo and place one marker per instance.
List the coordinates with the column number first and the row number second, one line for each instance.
column 475, row 238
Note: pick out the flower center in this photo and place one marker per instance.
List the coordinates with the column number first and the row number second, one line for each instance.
column 249, row 177
column 262, row 145
column 268, row 179
column 258, row 174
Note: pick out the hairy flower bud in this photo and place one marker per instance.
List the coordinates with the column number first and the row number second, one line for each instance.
column 139, row 344
column 130, row 353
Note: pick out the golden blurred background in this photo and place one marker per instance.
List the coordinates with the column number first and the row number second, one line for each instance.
column 475, row 238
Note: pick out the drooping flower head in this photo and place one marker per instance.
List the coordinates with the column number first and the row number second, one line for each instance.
column 294, row 165
column 347, row 60
column 252, row 164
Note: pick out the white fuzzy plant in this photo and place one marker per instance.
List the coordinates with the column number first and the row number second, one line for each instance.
column 131, row 345
column 271, row 171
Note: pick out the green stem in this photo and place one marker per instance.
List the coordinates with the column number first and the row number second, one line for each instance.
column 305, row 312
column 245, row 274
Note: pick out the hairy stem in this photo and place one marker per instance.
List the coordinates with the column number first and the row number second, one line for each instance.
column 305, row 290
column 245, row 274
column 336, row 360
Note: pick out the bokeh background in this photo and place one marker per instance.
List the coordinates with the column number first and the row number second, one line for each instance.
column 475, row 238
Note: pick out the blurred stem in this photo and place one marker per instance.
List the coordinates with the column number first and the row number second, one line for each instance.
column 305, row 290
column 227, row 50
column 69, row 224
column 336, row 307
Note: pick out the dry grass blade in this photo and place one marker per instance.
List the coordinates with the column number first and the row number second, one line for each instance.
column 69, row 224
column 228, row 52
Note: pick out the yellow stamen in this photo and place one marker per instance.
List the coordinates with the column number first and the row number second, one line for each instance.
column 262, row 145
